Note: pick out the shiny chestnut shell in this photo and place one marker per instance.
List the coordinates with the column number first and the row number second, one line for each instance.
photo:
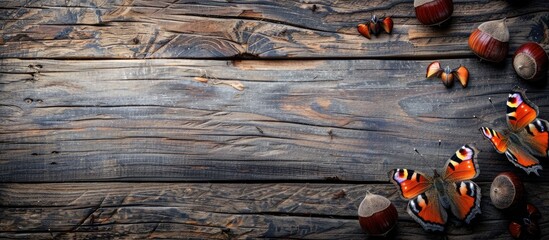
column 433, row 12
column 506, row 190
column 530, row 61
column 490, row 41
column 377, row 215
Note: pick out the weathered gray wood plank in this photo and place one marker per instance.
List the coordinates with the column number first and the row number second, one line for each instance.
column 198, row 120
column 76, row 210
column 264, row 29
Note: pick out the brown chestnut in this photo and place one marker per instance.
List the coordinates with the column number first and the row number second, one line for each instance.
column 490, row 41
column 530, row 61
column 433, row 12
column 506, row 190
column 377, row 215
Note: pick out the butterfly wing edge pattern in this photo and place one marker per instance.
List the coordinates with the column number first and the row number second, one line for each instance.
column 521, row 157
column 426, row 209
column 465, row 197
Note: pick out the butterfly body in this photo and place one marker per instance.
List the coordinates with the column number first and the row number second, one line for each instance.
column 430, row 196
column 440, row 188
column 526, row 137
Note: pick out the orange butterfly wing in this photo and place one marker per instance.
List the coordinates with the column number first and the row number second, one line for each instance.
column 465, row 199
column 426, row 207
column 498, row 140
column 462, row 165
column 522, row 159
column 536, row 137
column 513, row 149
column 427, row 211
column 520, row 111
column 409, row 182
column 464, row 195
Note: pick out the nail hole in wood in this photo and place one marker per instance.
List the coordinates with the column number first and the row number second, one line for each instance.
column 28, row 100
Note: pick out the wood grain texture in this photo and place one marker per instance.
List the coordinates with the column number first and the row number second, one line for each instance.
column 219, row 211
column 264, row 29
column 201, row 120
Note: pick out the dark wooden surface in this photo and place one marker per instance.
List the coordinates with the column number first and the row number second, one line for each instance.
column 221, row 211
column 142, row 119
column 266, row 28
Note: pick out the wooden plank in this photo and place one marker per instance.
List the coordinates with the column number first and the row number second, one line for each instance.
column 265, row 29
column 176, row 210
column 173, row 120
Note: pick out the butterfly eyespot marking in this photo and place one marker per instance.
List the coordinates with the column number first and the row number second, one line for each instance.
column 419, row 203
column 465, row 188
column 401, row 175
column 536, row 126
column 470, row 188
column 514, row 100
column 463, row 153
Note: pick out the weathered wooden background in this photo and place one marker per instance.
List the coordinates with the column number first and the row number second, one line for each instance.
column 240, row 119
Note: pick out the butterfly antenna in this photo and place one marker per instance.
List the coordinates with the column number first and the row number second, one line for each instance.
column 421, row 155
column 481, row 118
column 438, row 150
column 495, row 110
column 492, row 103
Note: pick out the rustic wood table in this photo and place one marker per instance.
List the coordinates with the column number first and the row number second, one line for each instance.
column 241, row 119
